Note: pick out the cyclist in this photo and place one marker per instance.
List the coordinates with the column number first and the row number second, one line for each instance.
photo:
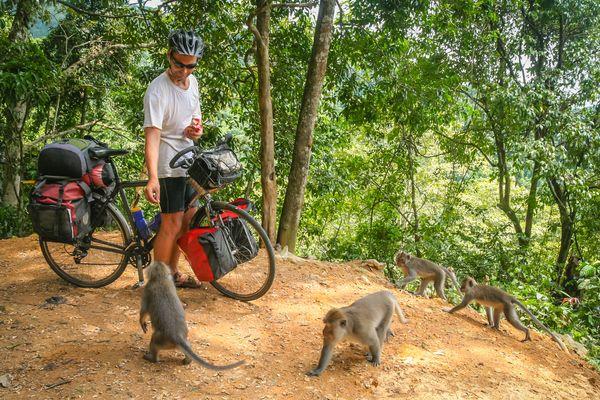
column 169, row 104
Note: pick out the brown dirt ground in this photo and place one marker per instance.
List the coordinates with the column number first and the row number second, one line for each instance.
column 93, row 344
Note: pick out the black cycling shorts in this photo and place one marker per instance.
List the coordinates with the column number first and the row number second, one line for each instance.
column 176, row 195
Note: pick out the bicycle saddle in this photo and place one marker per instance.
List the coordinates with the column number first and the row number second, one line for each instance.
column 103, row 152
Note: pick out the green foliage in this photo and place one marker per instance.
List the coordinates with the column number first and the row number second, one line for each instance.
column 13, row 222
column 427, row 109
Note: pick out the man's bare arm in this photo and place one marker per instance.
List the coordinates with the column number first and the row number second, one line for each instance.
column 152, row 190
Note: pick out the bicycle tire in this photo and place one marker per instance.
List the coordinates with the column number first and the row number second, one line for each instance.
column 80, row 274
column 251, row 279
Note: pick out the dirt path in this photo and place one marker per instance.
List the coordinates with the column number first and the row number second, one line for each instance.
column 92, row 346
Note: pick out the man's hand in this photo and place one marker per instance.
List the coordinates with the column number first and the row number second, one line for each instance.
column 193, row 132
column 152, row 191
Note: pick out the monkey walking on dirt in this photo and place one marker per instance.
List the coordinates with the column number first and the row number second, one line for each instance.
column 366, row 321
column 162, row 305
column 415, row 267
column 496, row 302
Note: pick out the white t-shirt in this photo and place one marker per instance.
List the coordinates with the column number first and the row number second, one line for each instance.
column 170, row 109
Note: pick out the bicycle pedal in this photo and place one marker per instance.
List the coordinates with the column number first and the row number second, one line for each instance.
column 138, row 285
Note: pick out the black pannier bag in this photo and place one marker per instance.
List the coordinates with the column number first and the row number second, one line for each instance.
column 218, row 252
column 60, row 211
column 241, row 235
column 66, row 158
column 247, row 248
column 216, row 167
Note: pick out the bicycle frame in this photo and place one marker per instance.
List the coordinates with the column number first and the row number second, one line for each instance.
column 136, row 246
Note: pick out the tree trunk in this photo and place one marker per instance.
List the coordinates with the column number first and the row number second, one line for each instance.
column 567, row 217
column 413, row 193
column 15, row 114
column 531, row 201
column 267, row 137
column 294, row 195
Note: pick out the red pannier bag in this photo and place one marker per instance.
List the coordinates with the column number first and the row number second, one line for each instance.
column 210, row 252
column 60, row 211
column 101, row 175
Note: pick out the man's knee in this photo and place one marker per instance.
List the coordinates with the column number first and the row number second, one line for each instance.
column 171, row 224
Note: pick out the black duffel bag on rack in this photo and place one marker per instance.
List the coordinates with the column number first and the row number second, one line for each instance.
column 68, row 158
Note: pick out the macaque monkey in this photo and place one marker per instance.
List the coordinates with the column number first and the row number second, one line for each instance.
column 497, row 301
column 366, row 321
column 161, row 303
column 428, row 271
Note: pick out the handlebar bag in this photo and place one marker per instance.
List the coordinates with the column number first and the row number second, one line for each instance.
column 216, row 167
column 60, row 211
column 208, row 252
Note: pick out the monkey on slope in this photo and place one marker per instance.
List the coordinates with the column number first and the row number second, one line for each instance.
column 497, row 301
column 162, row 305
column 428, row 271
column 366, row 321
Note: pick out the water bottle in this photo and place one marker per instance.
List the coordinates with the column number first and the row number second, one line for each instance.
column 140, row 223
column 154, row 225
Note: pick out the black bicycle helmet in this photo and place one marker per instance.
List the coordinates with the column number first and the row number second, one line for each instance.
column 186, row 42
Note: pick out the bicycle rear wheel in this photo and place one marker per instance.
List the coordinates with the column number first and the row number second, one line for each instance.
column 252, row 277
column 95, row 260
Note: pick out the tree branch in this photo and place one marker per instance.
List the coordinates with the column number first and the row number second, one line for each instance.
column 250, row 25
column 97, row 52
column 95, row 14
column 294, row 5
column 54, row 134
column 470, row 144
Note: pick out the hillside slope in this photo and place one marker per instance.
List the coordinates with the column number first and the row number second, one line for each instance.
column 92, row 346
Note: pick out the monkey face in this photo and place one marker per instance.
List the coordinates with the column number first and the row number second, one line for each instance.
column 402, row 258
column 467, row 284
column 335, row 325
column 334, row 331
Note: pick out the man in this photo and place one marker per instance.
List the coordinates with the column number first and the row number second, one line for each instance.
column 169, row 104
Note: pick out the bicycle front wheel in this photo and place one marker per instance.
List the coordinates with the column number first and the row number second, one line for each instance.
column 253, row 276
column 95, row 260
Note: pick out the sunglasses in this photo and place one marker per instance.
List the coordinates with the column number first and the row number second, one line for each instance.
column 182, row 65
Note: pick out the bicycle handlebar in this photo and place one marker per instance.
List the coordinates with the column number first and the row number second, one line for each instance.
column 178, row 160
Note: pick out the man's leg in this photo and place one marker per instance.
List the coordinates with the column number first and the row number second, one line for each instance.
column 165, row 243
column 174, row 221
column 174, row 259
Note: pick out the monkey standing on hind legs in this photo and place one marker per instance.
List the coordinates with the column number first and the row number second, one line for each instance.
column 161, row 303
column 428, row 271
column 496, row 301
column 367, row 321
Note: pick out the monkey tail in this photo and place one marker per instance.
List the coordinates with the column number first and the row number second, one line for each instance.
column 400, row 313
column 454, row 282
column 541, row 326
column 187, row 350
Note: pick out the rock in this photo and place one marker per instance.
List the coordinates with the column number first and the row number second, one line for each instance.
column 5, row 380
column 372, row 264
column 573, row 344
column 54, row 301
column 409, row 361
